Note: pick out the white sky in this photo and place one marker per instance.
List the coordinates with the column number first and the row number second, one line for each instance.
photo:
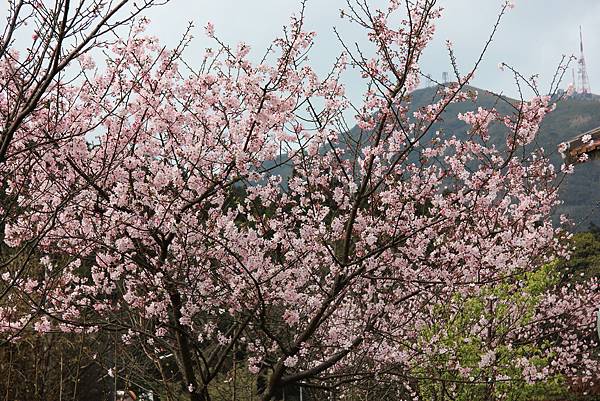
column 532, row 37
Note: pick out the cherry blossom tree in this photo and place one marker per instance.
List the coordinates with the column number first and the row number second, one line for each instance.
column 43, row 48
column 502, row 339
column 228, row 213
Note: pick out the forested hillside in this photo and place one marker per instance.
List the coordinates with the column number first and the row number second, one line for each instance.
column 580, row 192
column 574, row 115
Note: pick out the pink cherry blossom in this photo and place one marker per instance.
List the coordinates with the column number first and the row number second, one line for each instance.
column 199, row 214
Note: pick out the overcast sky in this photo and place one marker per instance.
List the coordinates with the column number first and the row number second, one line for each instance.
column 532, row 36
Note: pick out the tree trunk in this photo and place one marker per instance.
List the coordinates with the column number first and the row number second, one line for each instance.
column 184, row 358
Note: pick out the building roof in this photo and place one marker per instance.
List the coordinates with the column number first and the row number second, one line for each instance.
column 586, row 142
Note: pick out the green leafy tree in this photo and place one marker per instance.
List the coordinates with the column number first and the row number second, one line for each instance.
column 476, row 357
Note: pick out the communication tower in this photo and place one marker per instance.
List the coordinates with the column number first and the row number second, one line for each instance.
column 583, row 86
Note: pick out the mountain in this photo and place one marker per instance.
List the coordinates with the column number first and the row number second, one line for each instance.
column 574, row 115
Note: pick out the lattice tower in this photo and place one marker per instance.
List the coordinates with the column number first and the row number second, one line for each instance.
column 584, row 81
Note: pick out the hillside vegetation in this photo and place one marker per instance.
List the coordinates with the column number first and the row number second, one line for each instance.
column 580, row 192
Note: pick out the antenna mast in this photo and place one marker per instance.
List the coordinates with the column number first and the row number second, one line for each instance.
column 584, row 82
column 445, row 77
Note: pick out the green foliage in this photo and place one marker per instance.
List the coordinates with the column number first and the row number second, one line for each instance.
column 236, row 384
column 476, row 361
column 584, row 262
